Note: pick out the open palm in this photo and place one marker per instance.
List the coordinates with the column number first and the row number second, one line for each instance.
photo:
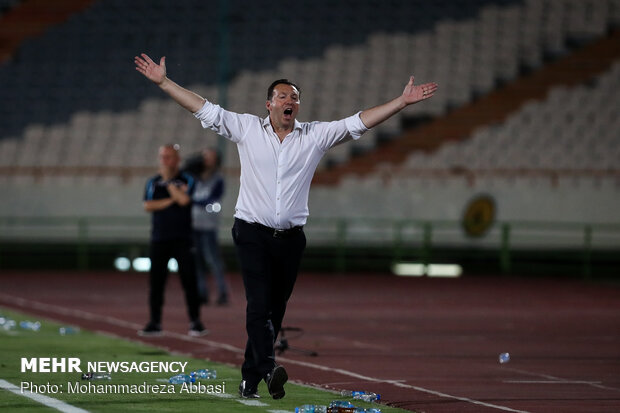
column 415, row 93
column 151, row 70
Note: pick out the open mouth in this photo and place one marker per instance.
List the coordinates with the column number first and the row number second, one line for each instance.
column 288, row 111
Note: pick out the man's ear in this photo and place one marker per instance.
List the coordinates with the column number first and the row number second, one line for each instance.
column 268, row 105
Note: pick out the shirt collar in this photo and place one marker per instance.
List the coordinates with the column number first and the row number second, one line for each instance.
column 266, row 122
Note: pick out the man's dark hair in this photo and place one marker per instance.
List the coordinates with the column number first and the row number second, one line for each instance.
column 279, row 82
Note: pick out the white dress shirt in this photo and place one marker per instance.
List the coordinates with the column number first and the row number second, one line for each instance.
column 276, row 176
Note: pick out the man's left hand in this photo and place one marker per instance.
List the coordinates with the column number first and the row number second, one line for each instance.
column 415, row 93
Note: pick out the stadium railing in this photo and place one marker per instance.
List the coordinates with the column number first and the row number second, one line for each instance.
column 337, row 244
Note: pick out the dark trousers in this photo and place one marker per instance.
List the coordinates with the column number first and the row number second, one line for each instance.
column 269, row 268
column 160, row 254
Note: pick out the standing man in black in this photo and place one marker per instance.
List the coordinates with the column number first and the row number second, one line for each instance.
column 167, row 197
column 278, row 157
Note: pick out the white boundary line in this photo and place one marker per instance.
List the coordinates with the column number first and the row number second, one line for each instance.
column 398, row 383
column 550, row 382
column 558, row 380
column 40, row 398
column 122, row 323
column 111, row 320
column 254, row 403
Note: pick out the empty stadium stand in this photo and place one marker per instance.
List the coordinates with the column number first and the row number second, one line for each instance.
column 76, row 115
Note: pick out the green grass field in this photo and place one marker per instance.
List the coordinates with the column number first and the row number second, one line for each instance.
column 129, row 391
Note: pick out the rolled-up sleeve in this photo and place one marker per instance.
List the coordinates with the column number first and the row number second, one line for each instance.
column 206, row 113
column 228, row 124
column 329, row 134
column 355, row 125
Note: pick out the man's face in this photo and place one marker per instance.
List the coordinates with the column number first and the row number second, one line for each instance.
column 168, row 158
column 284, row 105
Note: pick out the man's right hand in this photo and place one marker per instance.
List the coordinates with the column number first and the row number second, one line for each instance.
column 151, row 70
column 179, row 194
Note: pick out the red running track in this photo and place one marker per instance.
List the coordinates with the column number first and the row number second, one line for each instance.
column 428, row 345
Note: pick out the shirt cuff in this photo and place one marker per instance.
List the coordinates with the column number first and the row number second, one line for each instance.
column 355, row 125
column 204, row 114
column 203, row 110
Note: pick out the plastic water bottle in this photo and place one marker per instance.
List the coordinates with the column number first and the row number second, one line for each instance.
column 311, row 408
column 181, row 378
column 96, row 376
column 204, row 374
column 337, row 405
column 361, row 395
column 67, row 330
column 30, row 325
column 504, row 358
column 8, row 324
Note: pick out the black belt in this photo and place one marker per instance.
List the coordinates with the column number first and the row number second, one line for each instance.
column 276, row 233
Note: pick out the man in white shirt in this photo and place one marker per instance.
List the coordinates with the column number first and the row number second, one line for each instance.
column 278, row 157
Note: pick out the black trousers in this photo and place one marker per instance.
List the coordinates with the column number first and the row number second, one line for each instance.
column 269, row 267
column 160, row 254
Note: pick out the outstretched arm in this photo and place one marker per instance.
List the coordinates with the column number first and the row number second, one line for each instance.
column 412, row 94
column 156, row 73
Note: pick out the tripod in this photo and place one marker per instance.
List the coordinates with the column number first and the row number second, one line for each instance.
column 282, row 344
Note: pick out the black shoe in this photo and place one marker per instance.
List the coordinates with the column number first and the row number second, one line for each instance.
column 196, row 329
column 151, row 330
column 275, row 382
column 248, row 392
